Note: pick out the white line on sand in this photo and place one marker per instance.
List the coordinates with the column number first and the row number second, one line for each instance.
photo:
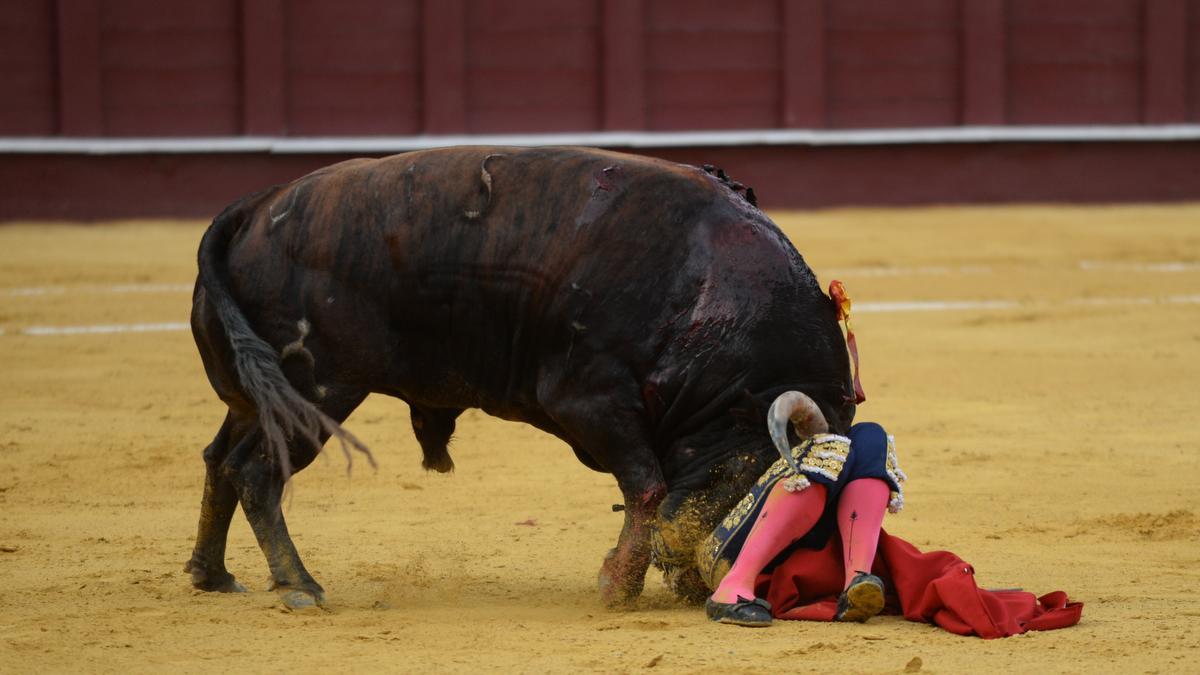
column 105, row 329
column 1160, row 267
column 886, row 271
column 861, row 307
column 1108, row 302
column 1170, row 266
column 965, row 305
column 34, row 291
column 144, row 288
column 933, row 305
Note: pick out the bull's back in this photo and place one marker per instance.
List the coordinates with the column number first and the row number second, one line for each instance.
column 455, row 274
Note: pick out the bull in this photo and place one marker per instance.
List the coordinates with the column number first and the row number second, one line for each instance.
column 646, row 313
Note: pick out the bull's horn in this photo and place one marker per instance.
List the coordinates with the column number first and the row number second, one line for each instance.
column 801, row 411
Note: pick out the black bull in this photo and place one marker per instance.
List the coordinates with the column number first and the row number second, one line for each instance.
column 644, row 312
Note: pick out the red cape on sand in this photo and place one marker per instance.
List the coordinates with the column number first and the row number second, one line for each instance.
column 937, row 588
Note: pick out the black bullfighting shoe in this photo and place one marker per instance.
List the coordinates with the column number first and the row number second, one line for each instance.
column 861, row 600
column 754, row 613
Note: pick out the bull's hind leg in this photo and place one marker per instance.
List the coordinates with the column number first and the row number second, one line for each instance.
column 259, row 483
column 207, row 564
column 615, row 436
column 434, row 427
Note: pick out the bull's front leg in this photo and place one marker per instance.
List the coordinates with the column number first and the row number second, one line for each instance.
column 611, row 429
column 624, row 570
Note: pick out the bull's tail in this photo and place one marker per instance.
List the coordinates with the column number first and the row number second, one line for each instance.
column 283, row 413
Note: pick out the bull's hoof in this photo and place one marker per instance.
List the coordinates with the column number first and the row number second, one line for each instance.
column 298, row 596
column 615, row 597
column 230, row 585
column 297, row 600
column 214, row 582
column 617, row 591
column 442, row 464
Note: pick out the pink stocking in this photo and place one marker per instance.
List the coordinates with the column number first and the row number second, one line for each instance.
column 860, row 515
column 785, row 517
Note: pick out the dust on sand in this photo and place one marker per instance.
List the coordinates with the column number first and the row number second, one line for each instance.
column 1047, row 422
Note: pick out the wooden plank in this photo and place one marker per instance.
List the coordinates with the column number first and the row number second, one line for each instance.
column 157, row 15
column 156, row 71
column 1061, row 43
column 331, row 120
column 166, row 87
column 530, row 120
column 171, row 120
column 170, row 48
column 860, row 96
column 716, row 88
column 549, row 89
column 917, row 46
column 79, row 102
column 889, row 16
column 444, row 58
column 802, row 100
column 1164, row 85
column 1193, row 60
column 263, row 70
column 364, row 51
column 28, row 60
column 691, row 118
column 23, row 15
column 899, row 57
column 900, row 113
column 709, row 15
column 983, row 62
column 623, row 66
column 312, row 18
column 1074, row 68
column 1074, row 93
column 1074, row 12
column 360, row 112
column 882, row 82
column 353, row 90
column 717, row 51
column 533, row 51
column 353, row 68
column 544, row 16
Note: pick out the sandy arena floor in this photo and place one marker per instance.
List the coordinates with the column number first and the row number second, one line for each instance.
column 1043, row 390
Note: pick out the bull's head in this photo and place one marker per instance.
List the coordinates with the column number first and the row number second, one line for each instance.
column 682, row 529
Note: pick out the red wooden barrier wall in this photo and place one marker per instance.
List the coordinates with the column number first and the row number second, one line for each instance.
column 369, row 67
column 221, row 68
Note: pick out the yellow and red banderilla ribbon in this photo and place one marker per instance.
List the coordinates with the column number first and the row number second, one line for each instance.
column 837, row 292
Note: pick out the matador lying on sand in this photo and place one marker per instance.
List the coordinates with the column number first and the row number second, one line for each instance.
column 806, row 543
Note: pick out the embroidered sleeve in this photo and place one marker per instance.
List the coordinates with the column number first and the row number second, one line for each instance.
column 896, row 503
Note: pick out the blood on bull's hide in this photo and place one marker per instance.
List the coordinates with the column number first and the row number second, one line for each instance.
column 646, row 313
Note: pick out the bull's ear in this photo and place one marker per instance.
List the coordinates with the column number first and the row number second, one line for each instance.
column 798, row 409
